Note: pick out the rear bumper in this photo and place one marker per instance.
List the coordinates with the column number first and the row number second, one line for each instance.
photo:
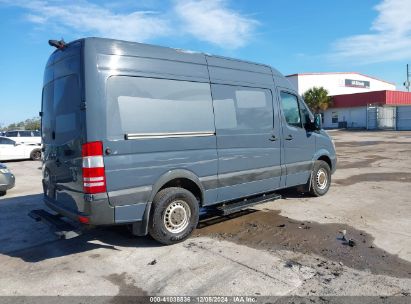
column 7, row 181
column 98, row 211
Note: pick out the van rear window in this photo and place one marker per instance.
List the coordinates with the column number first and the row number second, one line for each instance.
column 158, row 106
column 61, row 110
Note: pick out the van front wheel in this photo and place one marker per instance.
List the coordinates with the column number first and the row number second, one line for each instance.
column 320, row 178
column 174, row 215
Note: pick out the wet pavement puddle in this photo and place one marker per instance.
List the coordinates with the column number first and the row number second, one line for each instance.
column 270, row 231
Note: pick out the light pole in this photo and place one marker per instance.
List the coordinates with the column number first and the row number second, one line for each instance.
column 407, row 82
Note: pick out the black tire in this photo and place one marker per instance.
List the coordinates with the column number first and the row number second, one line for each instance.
column 35, row 154
column 169, row 206
column 320, row 178
column 2, row 193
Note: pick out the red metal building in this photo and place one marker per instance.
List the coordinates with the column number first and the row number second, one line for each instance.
column 381, row 98
column 371, row 110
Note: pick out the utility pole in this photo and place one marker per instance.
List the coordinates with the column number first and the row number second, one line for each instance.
column 407, row 83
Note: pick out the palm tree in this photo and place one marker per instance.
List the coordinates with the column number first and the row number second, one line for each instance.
column 317, row 99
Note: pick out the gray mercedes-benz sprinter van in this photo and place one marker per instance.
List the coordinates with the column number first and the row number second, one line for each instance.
column 147, row 135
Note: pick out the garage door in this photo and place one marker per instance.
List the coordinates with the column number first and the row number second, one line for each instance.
column 404, row 118
column 357, row 118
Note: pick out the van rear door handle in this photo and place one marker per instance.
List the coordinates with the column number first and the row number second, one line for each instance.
column 272, row 138
column 289, row 137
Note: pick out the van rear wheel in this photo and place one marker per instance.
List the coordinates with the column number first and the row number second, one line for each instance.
column 320, row 178
column 174, row 215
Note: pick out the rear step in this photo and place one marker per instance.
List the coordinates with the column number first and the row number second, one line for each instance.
column 229, row 208
column 62, row 229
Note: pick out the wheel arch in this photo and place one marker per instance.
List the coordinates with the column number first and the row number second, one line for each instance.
column 326, row 159
column 180, row 178
column 324, row 155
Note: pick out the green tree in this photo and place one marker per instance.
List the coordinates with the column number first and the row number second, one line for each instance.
column 32, row 124
column 29, row 124
column 317, row 99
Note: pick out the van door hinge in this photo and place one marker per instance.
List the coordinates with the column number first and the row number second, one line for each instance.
column 83, row 105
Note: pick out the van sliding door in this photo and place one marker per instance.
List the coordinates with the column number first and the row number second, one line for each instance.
column 247, row 141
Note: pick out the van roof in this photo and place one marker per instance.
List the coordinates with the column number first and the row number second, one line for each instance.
column 108, row 46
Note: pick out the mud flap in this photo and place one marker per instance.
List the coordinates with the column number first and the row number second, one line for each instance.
column 309, row 181
column 141, row 228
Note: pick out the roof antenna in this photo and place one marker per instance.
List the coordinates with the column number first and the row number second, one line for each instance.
column 58, row 44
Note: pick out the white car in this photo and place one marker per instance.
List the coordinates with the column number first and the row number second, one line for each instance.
column 11, row 150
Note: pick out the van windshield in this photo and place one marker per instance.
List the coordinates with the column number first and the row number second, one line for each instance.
column 61, row 110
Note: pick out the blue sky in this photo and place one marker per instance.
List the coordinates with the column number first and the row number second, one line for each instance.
column 368, row 36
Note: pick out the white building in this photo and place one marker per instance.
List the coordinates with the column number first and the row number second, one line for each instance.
column 339, row 83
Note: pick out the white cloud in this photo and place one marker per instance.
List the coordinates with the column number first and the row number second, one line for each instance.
column 389, row 40
column 213, row 21
column 86, row 18
column 206, row 20
column 36, row 19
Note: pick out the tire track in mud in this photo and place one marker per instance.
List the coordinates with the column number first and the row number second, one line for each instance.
column 270, row 231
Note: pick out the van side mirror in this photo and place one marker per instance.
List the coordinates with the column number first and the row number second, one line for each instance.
column 317, row 122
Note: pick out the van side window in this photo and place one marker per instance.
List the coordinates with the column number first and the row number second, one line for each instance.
column 289, row 103
column 241, row 109
column 148, row 106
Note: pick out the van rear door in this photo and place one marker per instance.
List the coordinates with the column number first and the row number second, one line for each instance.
column 63, row 130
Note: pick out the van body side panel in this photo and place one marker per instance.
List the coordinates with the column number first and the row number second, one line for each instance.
column 228, row 71
column 130, row 176
column 145, row 89
column 325, row 147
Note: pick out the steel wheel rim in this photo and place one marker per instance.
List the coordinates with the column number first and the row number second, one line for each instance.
column 177, row 216
column 322, row 179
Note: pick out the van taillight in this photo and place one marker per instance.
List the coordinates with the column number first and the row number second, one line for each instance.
column 94, row 175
